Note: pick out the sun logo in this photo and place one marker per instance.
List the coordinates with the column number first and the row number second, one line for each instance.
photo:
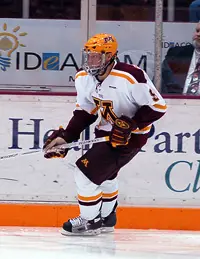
column 8, row 43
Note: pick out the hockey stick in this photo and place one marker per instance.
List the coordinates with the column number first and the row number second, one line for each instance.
column 68, row 145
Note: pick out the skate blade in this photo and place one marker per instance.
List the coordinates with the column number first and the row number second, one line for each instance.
column 107, row 229
column 85, row 233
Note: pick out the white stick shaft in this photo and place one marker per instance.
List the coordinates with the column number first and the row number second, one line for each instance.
column 83, row 142
column 68, row 145
column 19, row 154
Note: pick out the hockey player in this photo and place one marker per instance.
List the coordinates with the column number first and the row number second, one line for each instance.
column 128, row 104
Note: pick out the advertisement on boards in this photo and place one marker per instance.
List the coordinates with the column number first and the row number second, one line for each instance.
column 39, row 52
column 165, row 173
column 48, row 52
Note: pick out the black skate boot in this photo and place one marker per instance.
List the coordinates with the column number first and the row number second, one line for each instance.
column 80, row 226
column 109, row 222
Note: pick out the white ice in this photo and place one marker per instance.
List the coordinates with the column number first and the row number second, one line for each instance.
column 48, row 243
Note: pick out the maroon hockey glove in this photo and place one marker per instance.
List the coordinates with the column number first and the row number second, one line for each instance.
column 121, row 131
column 50, row 146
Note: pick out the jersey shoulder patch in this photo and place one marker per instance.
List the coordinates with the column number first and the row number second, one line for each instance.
column 135, row 71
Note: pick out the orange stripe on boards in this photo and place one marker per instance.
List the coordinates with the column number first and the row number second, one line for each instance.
column 43, row 215
column 34, row 214
column 122, row 75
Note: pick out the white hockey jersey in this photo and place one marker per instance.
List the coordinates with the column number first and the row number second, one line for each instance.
column 125, row 91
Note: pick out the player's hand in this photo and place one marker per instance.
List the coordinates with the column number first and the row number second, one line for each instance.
column 51, row 149
column 121, row 131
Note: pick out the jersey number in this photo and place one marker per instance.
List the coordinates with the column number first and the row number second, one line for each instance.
column 154, row 96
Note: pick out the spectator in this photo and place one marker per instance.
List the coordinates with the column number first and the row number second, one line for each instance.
column 194, row 10
column 181, row 68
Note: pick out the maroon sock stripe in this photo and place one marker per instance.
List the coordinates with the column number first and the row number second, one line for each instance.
column 109, row 199
column 89, row 203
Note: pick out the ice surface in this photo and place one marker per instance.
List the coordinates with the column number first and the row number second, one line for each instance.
column 48, row 243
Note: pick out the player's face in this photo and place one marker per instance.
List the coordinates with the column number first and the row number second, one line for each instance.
column 95, row 62
column 92, row 62
column 196, row 37
column 94, row 59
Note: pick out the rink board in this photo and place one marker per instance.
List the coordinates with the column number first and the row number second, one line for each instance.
column 158, row 189
column 48, row 53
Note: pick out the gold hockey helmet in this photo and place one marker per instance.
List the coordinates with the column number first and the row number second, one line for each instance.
column 94, row 59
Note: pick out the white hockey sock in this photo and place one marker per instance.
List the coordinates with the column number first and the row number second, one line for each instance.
column 109, row 196
column 89, row 196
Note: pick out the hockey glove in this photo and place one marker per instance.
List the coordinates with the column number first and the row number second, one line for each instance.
column 121, row 131
column 50, row 146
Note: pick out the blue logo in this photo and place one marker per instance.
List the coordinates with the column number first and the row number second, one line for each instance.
column 50, row 61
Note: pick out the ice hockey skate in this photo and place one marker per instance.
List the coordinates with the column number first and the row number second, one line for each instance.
column 109, row 222
column 80, row 226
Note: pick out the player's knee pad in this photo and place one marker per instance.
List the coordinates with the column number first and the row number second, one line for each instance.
column 109, row 185
column 84, row 185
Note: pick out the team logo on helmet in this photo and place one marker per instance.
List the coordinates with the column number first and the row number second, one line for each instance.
column 109, row 38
